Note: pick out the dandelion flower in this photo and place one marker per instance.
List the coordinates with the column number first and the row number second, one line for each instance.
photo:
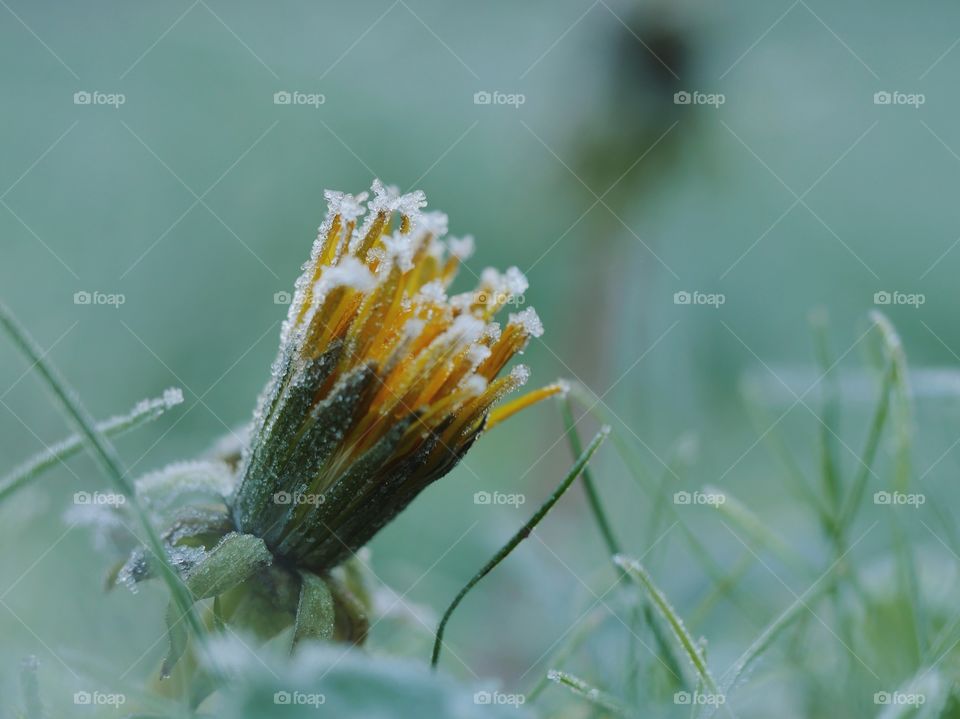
column 383, row 380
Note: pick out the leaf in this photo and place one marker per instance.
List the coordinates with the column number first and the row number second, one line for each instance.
column 635, row 570
column 161, row 489
column 323, row 680
column 144, row 411
column 315, row 612
column 234, row 560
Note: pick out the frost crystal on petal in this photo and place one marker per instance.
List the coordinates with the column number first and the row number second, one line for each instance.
column 399, row 250
column 515, row 282
column 475, row 384
column 434, row 292
column 529, row 321
column 351, row 272
column 462, row 247
column 349, row 207
column 433, row 223
column 520, row 374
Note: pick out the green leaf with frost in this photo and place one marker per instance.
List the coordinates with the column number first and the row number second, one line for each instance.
column 234, row 560
column 162, row 489
column 145, row 411
column 315, row 612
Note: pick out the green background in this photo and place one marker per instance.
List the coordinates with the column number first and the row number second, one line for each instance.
column 198, row 198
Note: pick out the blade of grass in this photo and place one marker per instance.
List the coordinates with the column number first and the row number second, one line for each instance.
column 772, row 631
column 105, row 453
column 593, row 695
column 829, row 415
column 145, row 411
column 760, row 536
column 640, row 474
column 901, row 418
column 586, row 479
column 767, row 426
column 567, row 648
column 613, row 547
column 636, row 572
column 518, row 537
column 877, row 424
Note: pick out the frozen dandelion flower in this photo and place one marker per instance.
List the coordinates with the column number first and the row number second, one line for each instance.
column 381, row 384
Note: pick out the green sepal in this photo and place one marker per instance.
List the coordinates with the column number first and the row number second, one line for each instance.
column 234, row 560
column 316, row 612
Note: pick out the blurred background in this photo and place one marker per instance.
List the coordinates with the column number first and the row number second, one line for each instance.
column 683, row 184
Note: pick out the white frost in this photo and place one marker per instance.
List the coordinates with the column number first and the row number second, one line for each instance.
column 351, row 272
column 529, row 321
column 462, row 247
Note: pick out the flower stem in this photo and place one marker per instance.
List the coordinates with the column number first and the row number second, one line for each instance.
column 522, row 534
